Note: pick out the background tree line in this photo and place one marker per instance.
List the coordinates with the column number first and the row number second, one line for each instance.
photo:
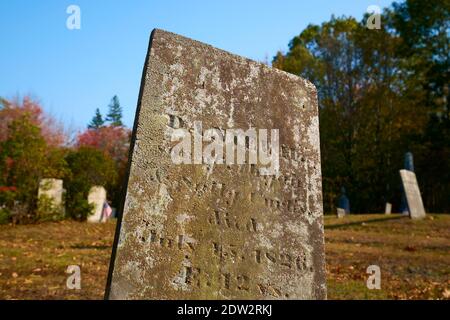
column 381, row 93
column 33, row 146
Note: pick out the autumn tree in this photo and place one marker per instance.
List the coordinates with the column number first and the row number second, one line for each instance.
column 88, row 167
column 369, row 108
column 26, row 158
column 51, row 130
column 114, row 141
column 111, row 138
column 424, row 28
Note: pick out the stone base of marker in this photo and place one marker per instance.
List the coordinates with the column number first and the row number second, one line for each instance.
column 340, row 213
column 97, row 197
column 50, row 199
column 413, row 196
column 388, row 208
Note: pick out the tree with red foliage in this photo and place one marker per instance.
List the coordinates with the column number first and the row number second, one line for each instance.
column 51, row 130
column 25, row 159
column 114, row 141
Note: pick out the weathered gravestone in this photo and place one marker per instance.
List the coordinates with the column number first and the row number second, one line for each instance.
column 199, row 228
column 408, row 164
column 50, row 196
column 413, row 196
column 97, row 197
column 344, row 202
column 340, row 213
column 388, row 209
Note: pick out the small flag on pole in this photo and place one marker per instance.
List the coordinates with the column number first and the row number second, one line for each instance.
column 107, row 211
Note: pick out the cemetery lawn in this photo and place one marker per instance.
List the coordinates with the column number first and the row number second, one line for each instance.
column 414, row 257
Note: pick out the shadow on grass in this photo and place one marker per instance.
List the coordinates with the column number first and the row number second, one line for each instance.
column 95, row 247
column 358, row 223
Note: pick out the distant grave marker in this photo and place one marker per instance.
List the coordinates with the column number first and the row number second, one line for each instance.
column 408, row 164
column 97, row 197
column 413, row 196
column 194, row 227
column 50, row 198
column 344, row 202
column 388, row 209
column 340, row 213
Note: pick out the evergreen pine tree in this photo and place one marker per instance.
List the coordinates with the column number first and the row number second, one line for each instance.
column 114, row 115
column 97, row 121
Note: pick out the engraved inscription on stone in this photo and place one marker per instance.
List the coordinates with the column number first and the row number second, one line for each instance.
column 219, row 231
column 413, row 196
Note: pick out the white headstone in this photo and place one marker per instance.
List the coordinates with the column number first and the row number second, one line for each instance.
column 413, row 196
column 388, row 209
column 340, row 213
column 97, row 197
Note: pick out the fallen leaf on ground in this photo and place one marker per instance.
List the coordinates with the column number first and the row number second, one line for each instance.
column 446, row 294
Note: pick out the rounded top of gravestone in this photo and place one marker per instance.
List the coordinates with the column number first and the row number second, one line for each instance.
column 409, row 161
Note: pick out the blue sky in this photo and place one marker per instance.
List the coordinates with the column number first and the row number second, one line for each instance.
column 72, row 72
